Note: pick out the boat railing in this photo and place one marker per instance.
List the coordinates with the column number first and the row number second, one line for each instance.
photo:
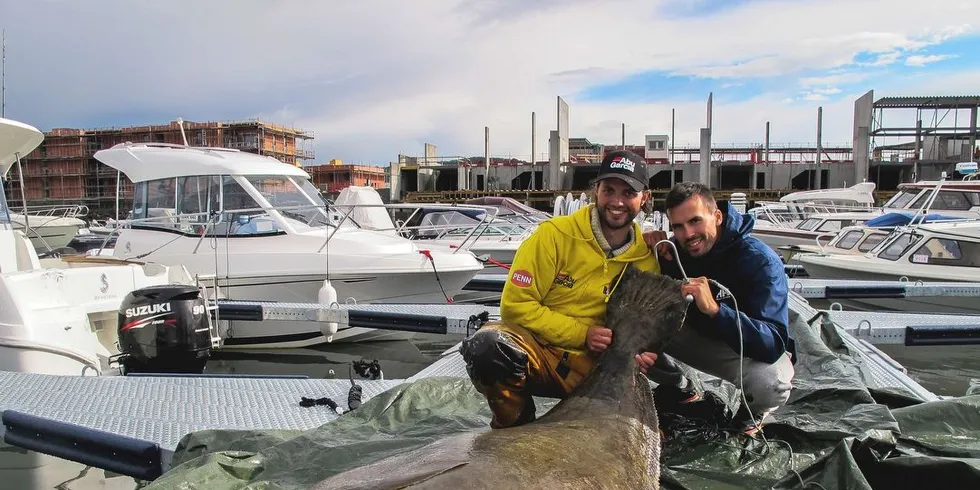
column 826, row 234
column 789, row 214
column 402, row 219
column 59, row 211
column 335, row 216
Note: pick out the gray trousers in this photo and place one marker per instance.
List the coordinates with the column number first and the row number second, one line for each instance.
column 767, row 386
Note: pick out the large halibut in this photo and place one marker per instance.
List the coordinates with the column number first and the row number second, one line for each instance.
column 603, row 435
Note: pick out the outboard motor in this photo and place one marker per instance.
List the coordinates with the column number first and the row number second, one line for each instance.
column 164, row 329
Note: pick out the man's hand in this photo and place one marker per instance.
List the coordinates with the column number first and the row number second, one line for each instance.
column 705, row 301
column 597, row 338
column 645, row 360
column 652, row 237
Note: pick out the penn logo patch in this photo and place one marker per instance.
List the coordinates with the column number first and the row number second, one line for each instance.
column 521, row 278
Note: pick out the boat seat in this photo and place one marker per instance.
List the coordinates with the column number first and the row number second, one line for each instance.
column 17, row 252
column 162, row 217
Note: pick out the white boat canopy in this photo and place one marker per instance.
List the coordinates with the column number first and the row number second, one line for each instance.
column 862, row 193
column 16, row 138
column 143, row 162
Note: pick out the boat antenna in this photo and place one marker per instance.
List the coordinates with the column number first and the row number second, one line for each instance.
column 180, row 124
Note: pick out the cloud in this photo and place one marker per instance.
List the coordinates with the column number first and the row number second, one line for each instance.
column 885, row 59
column 835, row 79
column 923, row 60
column 374, row 78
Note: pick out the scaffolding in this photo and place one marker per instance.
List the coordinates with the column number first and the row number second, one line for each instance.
column 63, row 170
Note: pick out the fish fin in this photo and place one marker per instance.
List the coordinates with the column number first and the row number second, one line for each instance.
column 421, row 477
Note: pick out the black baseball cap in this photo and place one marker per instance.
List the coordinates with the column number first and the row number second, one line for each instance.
column 626, row 166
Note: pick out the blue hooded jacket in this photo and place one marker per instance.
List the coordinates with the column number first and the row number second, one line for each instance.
column 756, row 277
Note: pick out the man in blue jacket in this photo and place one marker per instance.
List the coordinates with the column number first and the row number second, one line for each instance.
column 713, row 242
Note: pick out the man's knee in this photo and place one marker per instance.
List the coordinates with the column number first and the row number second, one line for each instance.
column 767, row 395
column 768, row 386
column 492, row 356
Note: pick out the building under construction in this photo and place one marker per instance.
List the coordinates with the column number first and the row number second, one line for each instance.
column 63, row 171
column 336, row 176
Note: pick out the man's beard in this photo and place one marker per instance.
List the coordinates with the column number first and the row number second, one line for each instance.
column 604, row 220
column 704, row 245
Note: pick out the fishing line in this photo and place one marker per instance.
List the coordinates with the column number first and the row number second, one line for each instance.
column 741, row 357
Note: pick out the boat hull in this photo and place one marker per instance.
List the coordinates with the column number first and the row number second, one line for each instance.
column 823, row 267
column 364, row 267
column 25, row 357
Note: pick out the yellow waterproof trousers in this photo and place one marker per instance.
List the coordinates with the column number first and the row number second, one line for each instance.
column 509, row 366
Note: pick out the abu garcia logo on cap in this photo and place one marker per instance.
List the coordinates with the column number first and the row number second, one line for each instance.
column 623, row 163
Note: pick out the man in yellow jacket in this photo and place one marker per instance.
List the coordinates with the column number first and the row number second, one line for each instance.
column 554, row 301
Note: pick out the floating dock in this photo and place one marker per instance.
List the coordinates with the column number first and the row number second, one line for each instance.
column 132, row 424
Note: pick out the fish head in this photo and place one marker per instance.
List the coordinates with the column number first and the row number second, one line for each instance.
column 645, row 311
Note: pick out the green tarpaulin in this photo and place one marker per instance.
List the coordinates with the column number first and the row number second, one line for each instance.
column 834, row 432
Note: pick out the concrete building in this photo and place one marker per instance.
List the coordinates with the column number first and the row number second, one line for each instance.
column 886, row 156
column 942, row 133
column 62, row 170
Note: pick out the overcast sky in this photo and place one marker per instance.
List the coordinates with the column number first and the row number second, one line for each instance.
column 374, row 79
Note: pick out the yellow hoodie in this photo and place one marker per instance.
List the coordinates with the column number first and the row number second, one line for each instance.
column 560, row 279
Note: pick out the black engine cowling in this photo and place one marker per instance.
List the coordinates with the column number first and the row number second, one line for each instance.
column 164, row 329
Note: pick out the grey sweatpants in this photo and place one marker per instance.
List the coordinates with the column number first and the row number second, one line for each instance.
column 767, row 386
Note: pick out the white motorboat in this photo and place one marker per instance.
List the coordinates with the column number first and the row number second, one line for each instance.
column 852, row 240
column 59, row 315
column 262, row 229
column 47, row 232
column 491, row 232
column 803, row 226
column 862, row 238
column 816, row 228
column 797, row 206
column 932, row 252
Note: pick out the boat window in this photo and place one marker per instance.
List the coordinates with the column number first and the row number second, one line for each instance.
column 899, row 246
column 849, row 239
column 139, row 200
column 946, row 200
column 952, row 200
column 973, row 197
column 944, row 251
column 155, row 205
column 198, row 199
column 900, row 200
column 809, row 224
column 871, row 242
column 242, row 215
column 838, row 224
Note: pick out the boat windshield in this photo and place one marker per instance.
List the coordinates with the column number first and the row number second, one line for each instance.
column 223, row 206
column 898, row 246
column 296, row 199
column 453, row 223
column 902, row 199
column 948, row 200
